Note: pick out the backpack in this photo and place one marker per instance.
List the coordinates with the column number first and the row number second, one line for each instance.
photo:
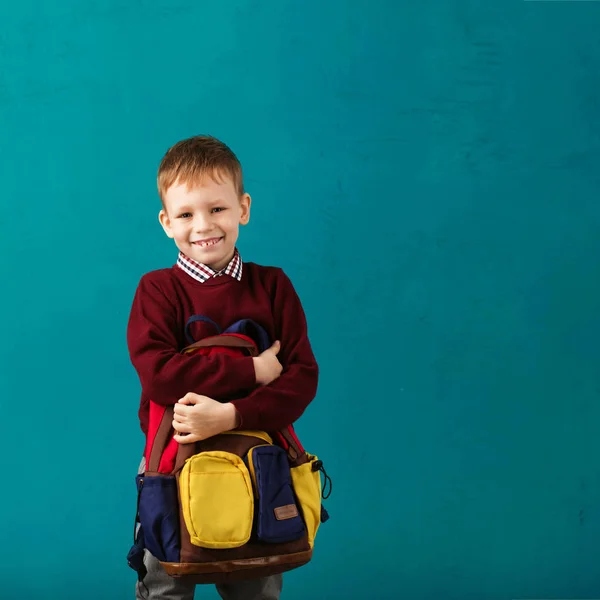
column 238, row 505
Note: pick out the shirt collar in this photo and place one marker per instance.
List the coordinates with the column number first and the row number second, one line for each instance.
column 202, row 272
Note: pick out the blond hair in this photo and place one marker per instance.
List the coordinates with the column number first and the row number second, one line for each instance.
column 191, row 160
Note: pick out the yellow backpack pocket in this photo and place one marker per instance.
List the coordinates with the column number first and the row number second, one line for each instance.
column 306, row 479
column 217, row 500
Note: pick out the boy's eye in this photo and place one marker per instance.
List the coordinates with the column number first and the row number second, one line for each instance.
column 185, row 215
column 218, row 209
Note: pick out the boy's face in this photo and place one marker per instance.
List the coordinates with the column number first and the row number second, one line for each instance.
column 204, row 220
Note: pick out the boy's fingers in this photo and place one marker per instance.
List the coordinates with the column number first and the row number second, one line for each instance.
column 186, row 439
column 181, row 427
column 189, row 398
column 180, row 409
column 273, row 349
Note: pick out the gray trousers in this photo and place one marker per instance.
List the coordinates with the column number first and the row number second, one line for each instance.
column 157, row 585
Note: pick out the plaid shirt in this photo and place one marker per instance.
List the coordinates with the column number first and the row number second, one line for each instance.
column 202, row 272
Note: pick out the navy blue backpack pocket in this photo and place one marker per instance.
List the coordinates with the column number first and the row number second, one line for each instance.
column 278, row 517
column 159, row 516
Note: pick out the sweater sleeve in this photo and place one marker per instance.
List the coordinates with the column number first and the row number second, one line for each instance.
column 283, row 401
column 164, row 373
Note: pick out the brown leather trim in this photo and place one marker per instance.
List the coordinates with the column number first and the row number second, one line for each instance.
column 222, row 340
column 236, row 576
column 289, row 511
column 163, row 434
column 296, row 457
column 227, row 566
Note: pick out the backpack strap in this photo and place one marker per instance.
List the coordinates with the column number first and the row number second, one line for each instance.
column 253, row 330
column 245, row 333
column 195, row 319
column 231, row 340
column 289, row 441
column 161, row 440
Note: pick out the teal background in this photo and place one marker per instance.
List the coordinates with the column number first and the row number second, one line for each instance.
column 426, row 173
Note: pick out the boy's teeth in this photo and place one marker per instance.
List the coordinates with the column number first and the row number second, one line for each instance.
column 210, row 243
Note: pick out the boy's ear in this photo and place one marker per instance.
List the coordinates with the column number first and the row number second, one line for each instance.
column 245, row 203
column 165, row 222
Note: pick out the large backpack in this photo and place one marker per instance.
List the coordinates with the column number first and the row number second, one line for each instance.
column 238, row 505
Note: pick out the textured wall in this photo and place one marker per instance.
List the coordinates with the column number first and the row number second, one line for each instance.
column 426, row 172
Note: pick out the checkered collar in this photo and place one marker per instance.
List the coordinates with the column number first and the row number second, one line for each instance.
column 202, row 272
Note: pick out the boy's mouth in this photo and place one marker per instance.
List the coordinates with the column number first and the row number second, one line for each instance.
column 207, row 243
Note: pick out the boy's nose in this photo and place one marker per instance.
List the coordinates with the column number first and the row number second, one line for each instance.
column 202, row 223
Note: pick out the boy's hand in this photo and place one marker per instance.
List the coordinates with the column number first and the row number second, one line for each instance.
column 201, row 417
column 267, row 366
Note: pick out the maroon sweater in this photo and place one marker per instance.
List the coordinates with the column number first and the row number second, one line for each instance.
column 164, row 301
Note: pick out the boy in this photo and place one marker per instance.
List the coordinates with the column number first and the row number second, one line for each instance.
column 201, row 188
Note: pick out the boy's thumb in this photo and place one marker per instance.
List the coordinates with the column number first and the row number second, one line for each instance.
column 189, row 398
column 276, row 347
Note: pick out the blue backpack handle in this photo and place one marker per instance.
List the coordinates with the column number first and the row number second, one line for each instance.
column 253, row 330
column 195, row 319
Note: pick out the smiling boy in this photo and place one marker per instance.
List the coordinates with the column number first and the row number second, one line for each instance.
column 201, row 187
